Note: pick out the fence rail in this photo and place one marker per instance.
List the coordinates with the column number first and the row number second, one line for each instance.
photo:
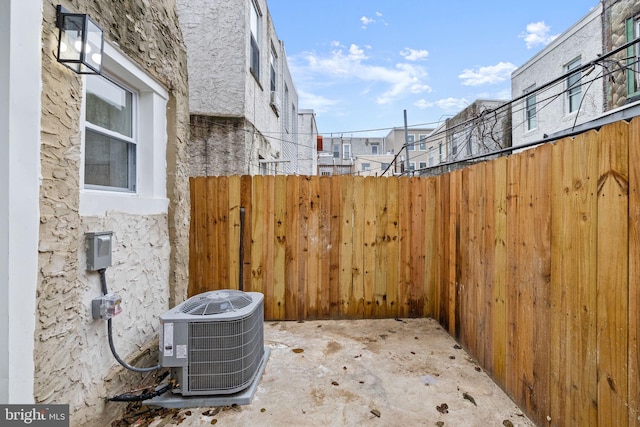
column 531, row 261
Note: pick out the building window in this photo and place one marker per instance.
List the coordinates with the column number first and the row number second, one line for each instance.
column 530, row 110
column 384, row 166
column 574, row 87
column 346, row 151
column 411, row 139
column 431, row 156
column 124, row 139
column 440, row 151
column 374, row 149
column 633, row 57
column 412, row 166
column 254, row 64
column 366, row 166
column 110, row 135
column 336, row 151
column 422, row 165
column 423, row 142
column 273, row 66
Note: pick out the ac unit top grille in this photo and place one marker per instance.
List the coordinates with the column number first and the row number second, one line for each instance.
column 216, row 302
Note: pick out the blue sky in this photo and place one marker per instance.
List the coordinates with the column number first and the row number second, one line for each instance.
column 360, row 63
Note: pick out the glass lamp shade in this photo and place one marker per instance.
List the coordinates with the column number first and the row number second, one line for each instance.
column 80, row 43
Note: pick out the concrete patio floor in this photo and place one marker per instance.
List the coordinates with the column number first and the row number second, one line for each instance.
column 407, row 372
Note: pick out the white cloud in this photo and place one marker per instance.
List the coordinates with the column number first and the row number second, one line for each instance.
column 491, row 74
column 366, row 21
column 351, row 65
column 318, row 103
column 378, row 14
column 537, row 34
column 414, row 54
column 447, row 104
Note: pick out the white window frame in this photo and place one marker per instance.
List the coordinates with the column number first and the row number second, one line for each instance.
column 255, row 36
column 422, row 165
column 531, row 120
column 346, row 151
column 411, row 139
column 150, row 195
column 574, row 86
column 422, row 138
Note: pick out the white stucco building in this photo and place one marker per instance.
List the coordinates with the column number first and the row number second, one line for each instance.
column 576, row 99
column 242, row 99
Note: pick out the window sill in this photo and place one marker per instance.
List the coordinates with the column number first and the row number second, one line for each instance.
column 99, row 203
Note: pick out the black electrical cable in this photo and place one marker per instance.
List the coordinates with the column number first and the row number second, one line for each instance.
column 128, row 397
column 103, row 282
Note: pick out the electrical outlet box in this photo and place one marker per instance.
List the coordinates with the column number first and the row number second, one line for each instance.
column 99, row 250
column 106, row 306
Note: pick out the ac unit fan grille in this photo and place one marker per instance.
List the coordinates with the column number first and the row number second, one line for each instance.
column 224, row 356
column 216, row 302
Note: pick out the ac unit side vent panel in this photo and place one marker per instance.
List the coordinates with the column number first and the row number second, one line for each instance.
column 225, row 356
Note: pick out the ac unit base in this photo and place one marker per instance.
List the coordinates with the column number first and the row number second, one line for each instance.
column 244, row 397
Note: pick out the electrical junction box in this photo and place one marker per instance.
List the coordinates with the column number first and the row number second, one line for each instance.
column 106, row 306
column 99, row 250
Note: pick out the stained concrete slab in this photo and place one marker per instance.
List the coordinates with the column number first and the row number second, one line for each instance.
column 388, row 372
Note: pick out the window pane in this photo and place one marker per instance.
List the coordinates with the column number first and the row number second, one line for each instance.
column 107, row 161
column 109, row 106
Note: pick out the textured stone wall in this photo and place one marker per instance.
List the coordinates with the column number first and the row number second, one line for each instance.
column 616, row 12
column 72, row 358
column 225, row 146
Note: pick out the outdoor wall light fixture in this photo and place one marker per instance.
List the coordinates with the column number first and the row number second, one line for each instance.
column 80, row 42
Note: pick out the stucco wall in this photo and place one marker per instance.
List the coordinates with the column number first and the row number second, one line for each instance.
column 233, row 123
column 72, row 357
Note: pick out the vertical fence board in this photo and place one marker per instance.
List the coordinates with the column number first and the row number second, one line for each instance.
column 326, row 224
column 314, row 246
column 294, row 241
column 382, row 257
column 302, row 248
column 613, row 270
column 392, row 247
column 358, row 249
column 634, row 274
column 444, row 260
column 527, row 278
column 561, row 248
column 246, row 191
column 488, row 235
column 222, row 235
column 417, row 255
column 429, row 246
column 541, row 339
column 464, row 264
column 334, row 242
column 347, row 304
column 404, row 248
column 213, row 233
column 258, row 232
column 370, row 246
column 499, row 335
column 279, row 220
column 234, row 263
column 514, row 202
column 455, row 189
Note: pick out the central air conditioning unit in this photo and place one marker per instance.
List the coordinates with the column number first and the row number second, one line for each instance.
column 214, row 342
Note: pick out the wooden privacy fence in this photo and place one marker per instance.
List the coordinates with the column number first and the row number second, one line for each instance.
column 531, row 261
